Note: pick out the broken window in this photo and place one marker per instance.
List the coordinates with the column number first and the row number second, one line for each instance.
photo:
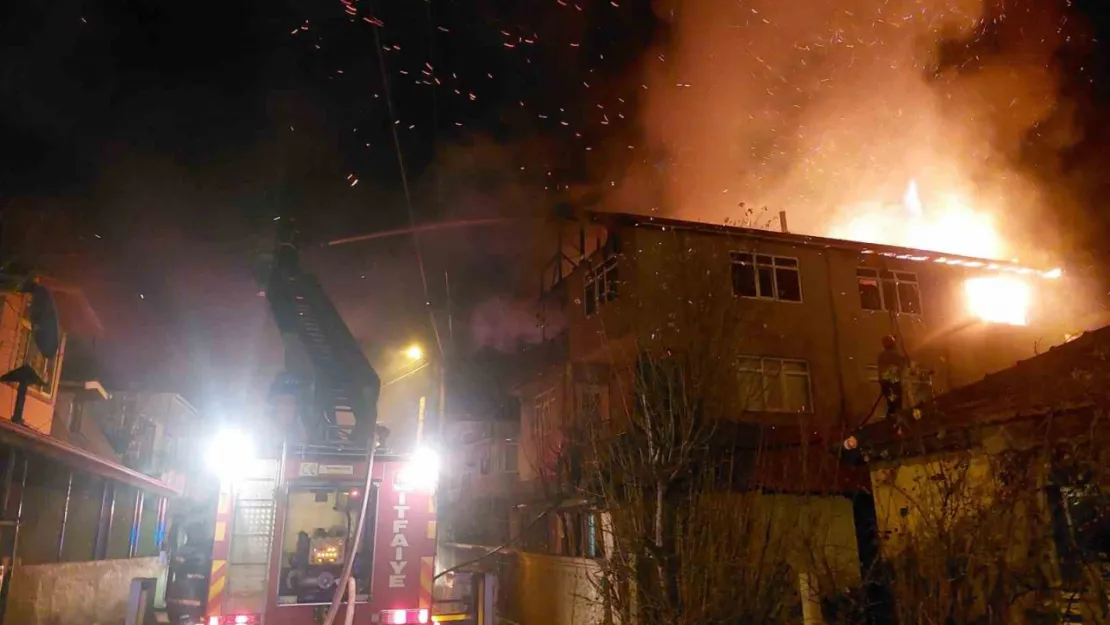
column 894, row 291
column 775, row 384
column 601, row 285
column 766, row 277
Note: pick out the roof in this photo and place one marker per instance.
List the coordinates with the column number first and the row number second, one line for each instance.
column 1058, row 389
column 35, row 442
column 891, row 251
column 75, row 313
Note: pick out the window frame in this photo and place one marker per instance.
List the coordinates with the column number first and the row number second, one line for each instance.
column 783, row 374
column 897, row 278
column 600, row 285
column 540, row 426
column 26, row 350
column 510, row 450
column 753, row 261
column 602, row 394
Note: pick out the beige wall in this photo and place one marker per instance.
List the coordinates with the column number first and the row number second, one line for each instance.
column 551, row 590
column 670, row 278
column 89, row 593
column 39, row 409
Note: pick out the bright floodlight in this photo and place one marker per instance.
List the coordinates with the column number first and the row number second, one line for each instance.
column 422, row 472
column 1000, row 299
column 230, row 453
column 414, row 352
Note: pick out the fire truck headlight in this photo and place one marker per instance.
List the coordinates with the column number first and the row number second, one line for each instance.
column 229, row 454
column 422, row 472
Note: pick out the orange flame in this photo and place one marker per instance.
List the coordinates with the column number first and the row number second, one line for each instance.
column 951, row 225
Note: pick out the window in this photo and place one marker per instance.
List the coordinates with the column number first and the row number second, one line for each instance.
column 542, row 415
column 319, row 522
column 484, row 464
column 766, row 277
column 601, row 285
column 511, row 460
column 775, row 384
column 28, row 353
column 593, row 404
column 896, row 291
column 917, row 386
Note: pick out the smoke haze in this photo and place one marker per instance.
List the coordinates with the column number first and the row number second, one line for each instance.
column 827, row 108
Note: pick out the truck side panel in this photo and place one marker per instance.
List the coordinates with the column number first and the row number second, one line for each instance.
column 404, row 542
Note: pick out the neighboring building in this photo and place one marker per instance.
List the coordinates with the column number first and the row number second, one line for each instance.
column 796, row 324
column 1016, row 464
column 76, row 522
column 481, row 476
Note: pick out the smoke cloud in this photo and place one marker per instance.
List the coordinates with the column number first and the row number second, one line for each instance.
column 821, row 108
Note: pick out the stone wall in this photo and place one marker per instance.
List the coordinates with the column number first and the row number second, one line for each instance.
column 77, row 593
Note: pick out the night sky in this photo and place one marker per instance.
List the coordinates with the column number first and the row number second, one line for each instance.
column 149, row 146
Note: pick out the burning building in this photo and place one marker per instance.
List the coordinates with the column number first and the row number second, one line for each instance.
column 781, row 332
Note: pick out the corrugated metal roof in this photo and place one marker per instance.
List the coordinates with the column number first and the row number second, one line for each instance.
column 31, row 441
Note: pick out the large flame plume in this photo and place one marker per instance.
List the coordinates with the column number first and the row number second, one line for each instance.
column 950, row 225
column 827, row 111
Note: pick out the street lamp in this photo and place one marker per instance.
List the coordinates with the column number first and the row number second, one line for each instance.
column 414, row 353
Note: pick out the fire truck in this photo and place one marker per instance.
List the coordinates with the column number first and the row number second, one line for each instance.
column 322, row 496
column 284, row 529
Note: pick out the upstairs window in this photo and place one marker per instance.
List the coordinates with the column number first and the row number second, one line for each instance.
column 28, row 353
column 775, row 385
column 766, row 277
column 601, row 285
column 543, row 413
column 894, row 291
column 511, row 464
column 593, row 405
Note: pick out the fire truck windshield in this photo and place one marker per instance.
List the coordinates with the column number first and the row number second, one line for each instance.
column 319, row 525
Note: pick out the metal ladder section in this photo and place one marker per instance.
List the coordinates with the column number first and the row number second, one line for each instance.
column 252, row 537
column 341, row 370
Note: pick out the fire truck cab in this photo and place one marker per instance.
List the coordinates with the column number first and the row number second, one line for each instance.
column 284, row 531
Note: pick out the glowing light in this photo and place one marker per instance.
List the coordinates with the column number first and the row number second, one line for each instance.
column 398, row 617
column 414, row 352
column 949, row 224
column 1053, row 274
column 422, row 616
column 998, row 299
column 422, row 472
column 230, row 454
column 241, row 619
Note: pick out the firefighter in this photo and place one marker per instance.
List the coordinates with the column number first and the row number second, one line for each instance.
column 891, row 365
column 185, row 595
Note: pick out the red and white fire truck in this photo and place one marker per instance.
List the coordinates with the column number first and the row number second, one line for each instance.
column 284, row 530
column 287, row 523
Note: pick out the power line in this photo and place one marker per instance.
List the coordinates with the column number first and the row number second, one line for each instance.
column 405, row 185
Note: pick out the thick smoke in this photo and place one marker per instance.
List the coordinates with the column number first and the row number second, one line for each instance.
column 821, row 108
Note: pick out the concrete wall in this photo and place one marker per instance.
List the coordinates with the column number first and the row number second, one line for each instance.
column 549, row 590
column 85, row 593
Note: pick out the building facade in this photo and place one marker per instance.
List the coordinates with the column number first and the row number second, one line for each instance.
column 76, row 523
column 783, row 332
